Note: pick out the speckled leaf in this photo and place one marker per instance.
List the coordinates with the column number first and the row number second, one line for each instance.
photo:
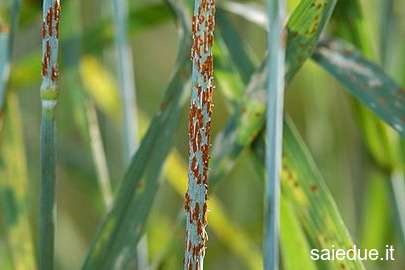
column 303, row 186
column 365, row 80
column 295, row 249
column 248, row 119
column 304, row 28
column 240, row 134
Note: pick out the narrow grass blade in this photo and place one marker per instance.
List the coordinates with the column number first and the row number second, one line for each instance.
column 274, row 131
column 122, row 228
column 49, row 99
column 231, row 86
column 14, row 206
column 249, row 117
column 126, row 80
column 98, row 153
column 305, row 189
column 7, row 35
column 231, row 39
column 250, row 12
column 366, row 81
column 125, row 72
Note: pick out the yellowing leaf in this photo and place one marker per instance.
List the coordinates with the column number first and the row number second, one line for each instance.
column 100, row 86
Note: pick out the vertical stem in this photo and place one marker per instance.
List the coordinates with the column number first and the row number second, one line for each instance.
column 49, row 96
column 98, row 152
column 47, row 196
column 127, row 86
column 126, row 77
column 199, row 133
column 6, row 51
column 274, row 131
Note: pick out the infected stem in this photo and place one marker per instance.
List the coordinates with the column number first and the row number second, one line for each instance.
column 195, row 202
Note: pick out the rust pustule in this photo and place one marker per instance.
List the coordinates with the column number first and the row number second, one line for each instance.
column 56, row 12
column 43, row 30
column 54, row 73
column 49, row 19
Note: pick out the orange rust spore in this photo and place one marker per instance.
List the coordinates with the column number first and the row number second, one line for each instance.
column 55, row 73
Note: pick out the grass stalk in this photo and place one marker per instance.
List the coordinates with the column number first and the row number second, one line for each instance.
column 7, row 35
column 49, row 99
column 274, row 131
column 98, row 153
column 126, row 76
column 202, row 80
column 127, row 86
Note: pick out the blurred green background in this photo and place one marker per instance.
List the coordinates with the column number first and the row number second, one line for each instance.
column 357, row 165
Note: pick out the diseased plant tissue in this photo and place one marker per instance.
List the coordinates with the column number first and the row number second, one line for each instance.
column 199, row 133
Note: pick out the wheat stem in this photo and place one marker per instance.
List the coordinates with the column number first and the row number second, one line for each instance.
column 49, row 99
column 126, row 77
column 274, row 131
column 199, row 133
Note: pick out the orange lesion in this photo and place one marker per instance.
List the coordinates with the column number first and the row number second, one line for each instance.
column 55, row 73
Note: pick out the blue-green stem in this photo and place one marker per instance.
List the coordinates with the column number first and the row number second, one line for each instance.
column 274, row 131
column 49, row 100
column 6, row 50
column 126, row 76
column 127, row 86
column 199, row 132
column 47, row 195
